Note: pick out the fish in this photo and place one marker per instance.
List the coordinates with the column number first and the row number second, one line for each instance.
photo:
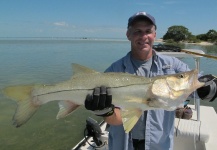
column 131, row 93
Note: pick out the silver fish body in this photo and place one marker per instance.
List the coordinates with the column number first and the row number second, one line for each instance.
column 133, row 94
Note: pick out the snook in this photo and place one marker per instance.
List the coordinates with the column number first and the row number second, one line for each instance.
column 133, row 94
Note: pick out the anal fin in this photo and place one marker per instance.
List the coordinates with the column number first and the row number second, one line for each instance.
column 65, row 108
column 130, row 118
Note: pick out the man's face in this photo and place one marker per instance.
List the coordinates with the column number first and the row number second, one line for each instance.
column 142, row 35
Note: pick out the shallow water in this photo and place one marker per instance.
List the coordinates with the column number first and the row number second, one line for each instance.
column 48, row 61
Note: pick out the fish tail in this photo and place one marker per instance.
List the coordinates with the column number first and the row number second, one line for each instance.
column 25, row 106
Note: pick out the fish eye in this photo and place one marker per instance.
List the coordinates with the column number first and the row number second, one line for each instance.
column 181, row 76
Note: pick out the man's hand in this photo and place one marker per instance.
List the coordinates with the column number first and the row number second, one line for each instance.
column 100, row 102
column 209, row 90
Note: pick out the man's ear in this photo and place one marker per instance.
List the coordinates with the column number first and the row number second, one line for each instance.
column 128, row 35
column 155, row 35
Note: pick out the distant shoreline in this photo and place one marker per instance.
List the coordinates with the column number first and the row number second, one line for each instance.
column 201, row 43
column 159, row 41
column 92, row 38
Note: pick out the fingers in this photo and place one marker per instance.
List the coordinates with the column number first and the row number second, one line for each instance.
column 209, row 90
column 108, row 102
column 96, row 96
column 88, row 102
column 105, row 97
column 206, row 78
column 92, row 101
column 100, row 99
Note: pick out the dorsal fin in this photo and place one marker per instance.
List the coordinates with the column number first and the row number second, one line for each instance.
column 79, row 69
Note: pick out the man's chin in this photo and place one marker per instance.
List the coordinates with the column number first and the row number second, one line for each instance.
column 145, row 49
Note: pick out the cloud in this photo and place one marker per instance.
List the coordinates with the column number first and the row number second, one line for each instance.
column 145, row 4
column 62, row 24
column 173, row 2
column 103, row 29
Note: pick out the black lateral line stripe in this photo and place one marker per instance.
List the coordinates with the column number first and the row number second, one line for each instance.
column 81, row 89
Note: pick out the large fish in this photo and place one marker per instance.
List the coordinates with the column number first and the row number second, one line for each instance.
column 133, row 94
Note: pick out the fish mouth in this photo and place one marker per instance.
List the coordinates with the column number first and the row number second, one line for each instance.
column 168, row 93
column 177, row 85
column 194, row 80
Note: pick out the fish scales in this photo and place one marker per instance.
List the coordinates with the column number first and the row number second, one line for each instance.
column 133, row 94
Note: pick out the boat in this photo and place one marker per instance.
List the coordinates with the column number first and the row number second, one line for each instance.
column 197, row 133
column 166, row 48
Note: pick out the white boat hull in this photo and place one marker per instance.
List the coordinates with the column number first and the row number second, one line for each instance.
column 192, row 134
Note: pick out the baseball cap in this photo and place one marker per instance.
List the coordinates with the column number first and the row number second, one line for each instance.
column 141, row 15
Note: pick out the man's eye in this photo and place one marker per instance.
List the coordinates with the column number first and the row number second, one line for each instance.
column 148, row 32
column 137, row 32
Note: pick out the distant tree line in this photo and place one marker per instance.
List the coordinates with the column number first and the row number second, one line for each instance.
column 181, row 34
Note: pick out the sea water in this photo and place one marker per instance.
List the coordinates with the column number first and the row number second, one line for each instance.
column 48, row 61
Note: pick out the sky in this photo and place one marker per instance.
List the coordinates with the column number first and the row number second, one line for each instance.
column 101, row 18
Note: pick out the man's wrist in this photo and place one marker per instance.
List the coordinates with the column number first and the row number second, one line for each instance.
column 105, row 112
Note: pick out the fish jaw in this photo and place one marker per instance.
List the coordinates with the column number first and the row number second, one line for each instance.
column 169, row 92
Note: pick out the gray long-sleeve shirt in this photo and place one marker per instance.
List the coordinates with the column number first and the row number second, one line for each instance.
column 159, row 124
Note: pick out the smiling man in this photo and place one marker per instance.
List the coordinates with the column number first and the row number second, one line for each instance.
column 142, row 33
column 155, row 128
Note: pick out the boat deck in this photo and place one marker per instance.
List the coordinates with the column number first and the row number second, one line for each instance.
column 193, row 135
column 197, row 135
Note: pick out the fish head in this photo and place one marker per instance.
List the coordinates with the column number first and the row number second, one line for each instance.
column 170, row 91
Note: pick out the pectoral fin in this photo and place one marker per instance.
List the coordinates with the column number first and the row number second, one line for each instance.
column 65, row 108
column 130, row 118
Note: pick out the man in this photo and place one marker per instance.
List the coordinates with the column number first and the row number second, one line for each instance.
column 155, row 128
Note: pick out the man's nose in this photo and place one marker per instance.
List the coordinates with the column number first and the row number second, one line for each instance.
column 144, row 35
